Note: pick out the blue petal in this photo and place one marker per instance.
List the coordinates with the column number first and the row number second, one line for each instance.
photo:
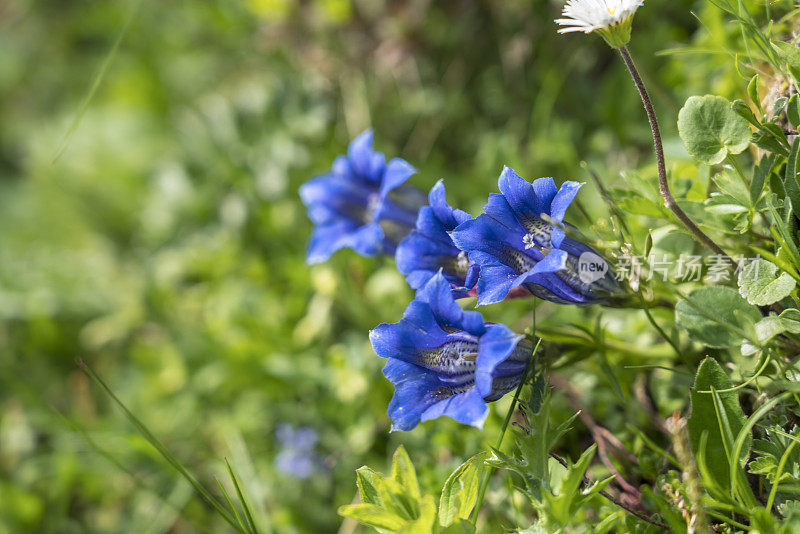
column 417, row 251
column 420, row 396
column 417, row 279
column 437, row 199
column 545, row 190
column 397, row 171
column 364, row 161
column 486, row 234
column 495, row 278
column 430, row 225
column 521, row 195
column 472, row 276
column 412, row 393
column 496, row 345
column 417, row 331
column 467, row 408
column 563, row 199
column 387, row 209
column 554, row 261
column 557, row 290
column 343, row 169
column 327, row 239
column 499, row 209
column 557, row 236
column 438, row 294
column 329, row 197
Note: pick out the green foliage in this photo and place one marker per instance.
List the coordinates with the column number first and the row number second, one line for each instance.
column 759, row 285
column 150, row 224
column 715, row 421
column 396, row 504
column 711, row 130
column 461, row 491
column 771, row 326
column 716, row 316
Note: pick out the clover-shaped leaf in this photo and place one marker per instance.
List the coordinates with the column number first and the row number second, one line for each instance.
column 711, row 129
column 758, row 284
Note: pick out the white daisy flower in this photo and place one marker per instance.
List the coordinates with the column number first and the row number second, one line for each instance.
column 610, row 18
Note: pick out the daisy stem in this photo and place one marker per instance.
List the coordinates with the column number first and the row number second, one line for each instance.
column 490, row 470
column 663, row 185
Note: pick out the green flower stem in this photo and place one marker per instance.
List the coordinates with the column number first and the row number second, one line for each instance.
column 653, row 322
column 489, row 470
column 663, row 185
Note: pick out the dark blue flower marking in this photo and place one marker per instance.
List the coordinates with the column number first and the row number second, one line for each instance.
column 361, row 203
column 519, row 240
column 446, row 361
column 429, row 248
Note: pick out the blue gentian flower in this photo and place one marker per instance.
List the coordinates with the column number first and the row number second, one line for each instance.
column 447, row 361
column 296, row 457
column 519, row 240
column 361, row 203
column 429, row 248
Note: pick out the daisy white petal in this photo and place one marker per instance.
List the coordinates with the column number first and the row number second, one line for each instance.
column 609, row 18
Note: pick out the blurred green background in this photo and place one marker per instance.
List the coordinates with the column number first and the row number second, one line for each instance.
column 156, row 232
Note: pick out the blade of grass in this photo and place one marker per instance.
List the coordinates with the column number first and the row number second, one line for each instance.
column 98, row 79
column 242, row 500
column 739, row 443
column 145, row 432
column 230, row 503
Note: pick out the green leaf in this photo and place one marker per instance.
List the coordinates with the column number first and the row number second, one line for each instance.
column 405, row 475
column 373, row 516
column 752, row 92
column 778, row 106
column 426, row 521
column 711, row 129
column 793, row 111
column 760, row 174
column 743, row 110
column 368, row 482
column 758, row 284
column 461, row 526
column 461, row 490
column 790, row 180
column 788, row 53
column 719, row 422
column 772, row 326
column 562, row 505
column 394, row 498
column 714, row 315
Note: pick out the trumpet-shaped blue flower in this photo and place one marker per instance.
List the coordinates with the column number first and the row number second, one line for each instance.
column 429, row 248
column 446, row 361
column 361, row 203
column 519, row 240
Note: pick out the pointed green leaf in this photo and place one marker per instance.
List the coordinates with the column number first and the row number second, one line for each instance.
column 721, row 421
column 426, row 522
column 373, row 516
column 368, row 482
column 788, row 53
column 461, row 490
column 752, row 92
column 790, row 182
column 403, row 472
column 793, row 111
column 395, row 499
